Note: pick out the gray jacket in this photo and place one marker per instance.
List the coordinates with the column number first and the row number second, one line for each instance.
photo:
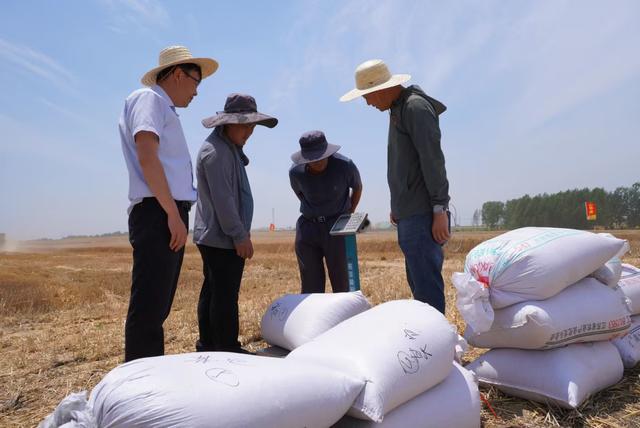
column 415, row 164
column 225, row 205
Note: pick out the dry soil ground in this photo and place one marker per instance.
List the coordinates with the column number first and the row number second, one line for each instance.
column 63, row 304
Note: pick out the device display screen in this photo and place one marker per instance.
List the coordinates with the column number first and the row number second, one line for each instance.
column 340, row 223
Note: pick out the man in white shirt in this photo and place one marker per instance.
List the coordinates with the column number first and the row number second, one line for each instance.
column 161, row 192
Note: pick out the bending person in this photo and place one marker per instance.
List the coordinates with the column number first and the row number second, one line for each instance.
column 327, row 185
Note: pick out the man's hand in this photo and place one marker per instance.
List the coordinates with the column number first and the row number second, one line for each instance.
column 178, row 232
column 244, row 249
column 393, row 220
column 440, row 227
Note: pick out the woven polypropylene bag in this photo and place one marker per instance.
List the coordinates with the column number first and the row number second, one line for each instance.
column 295, row 319
column 525, row 264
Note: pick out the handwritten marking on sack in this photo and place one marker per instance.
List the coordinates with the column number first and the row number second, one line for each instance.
column 410, row 361
column 206, row 359
column 223, row 376
column 410, row 334
column 200, row 359
column 278, row 312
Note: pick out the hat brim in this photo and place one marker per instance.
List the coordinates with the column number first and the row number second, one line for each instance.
column 298, row 159
column 396, row 79
column 239, row 118
column 208, row 66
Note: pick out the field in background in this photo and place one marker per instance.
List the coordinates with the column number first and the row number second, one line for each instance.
column 63, row 305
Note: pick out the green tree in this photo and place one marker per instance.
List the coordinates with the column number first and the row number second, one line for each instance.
column 492, row 213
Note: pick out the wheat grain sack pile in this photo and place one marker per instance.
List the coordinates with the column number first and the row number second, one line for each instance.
column 532, row 263
column 544, row 291
column 396, row 359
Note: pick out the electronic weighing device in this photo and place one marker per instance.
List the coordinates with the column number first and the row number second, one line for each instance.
column 348, row 225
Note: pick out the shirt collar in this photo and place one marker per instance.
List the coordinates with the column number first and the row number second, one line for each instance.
column 158, row 90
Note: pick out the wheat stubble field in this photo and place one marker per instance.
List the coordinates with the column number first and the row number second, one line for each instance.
column 63, row 305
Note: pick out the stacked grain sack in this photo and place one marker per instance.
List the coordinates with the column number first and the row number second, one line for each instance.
column 404, row 350
column 212, row 389
column 536, row 289
column 294, row 319
column 629, row 345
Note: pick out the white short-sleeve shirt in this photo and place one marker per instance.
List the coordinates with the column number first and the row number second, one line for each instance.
column 151, row 109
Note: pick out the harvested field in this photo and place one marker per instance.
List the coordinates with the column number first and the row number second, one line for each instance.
column 63, row 305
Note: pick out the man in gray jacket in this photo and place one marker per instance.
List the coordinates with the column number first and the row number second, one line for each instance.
column 416, row 174
column 223, row 220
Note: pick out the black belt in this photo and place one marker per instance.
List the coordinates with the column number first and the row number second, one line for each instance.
column 322, row 218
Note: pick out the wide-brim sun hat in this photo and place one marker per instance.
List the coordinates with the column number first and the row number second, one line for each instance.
column 371, row 76
column 313, row 147
column 175, row 55
column 240, row 109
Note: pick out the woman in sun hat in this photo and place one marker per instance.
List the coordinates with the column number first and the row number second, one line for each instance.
column 223, row 220
column 327, row 185
column 160, row 192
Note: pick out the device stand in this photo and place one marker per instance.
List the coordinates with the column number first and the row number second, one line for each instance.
column 352, row 262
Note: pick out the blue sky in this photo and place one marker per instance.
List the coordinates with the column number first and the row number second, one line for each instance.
column 542, row 96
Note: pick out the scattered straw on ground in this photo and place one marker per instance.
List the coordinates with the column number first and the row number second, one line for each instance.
column 63, row 305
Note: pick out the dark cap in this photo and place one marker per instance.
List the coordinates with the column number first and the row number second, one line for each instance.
column 313, row 147
column 240, row 109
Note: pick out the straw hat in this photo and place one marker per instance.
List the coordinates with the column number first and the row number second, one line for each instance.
column 174, row 55
column 372, row 76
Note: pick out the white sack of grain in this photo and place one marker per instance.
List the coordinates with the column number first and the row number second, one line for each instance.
column 454, row 402
column 532, row 263
column 401, row 348
column 610, row 273
column 629, row 344
column 630, row 285
column 584, row 312
column 295, row 319
column 221, row 389
column 72, row 412
column 564, row 376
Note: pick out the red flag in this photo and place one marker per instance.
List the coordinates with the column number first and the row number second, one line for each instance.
column 590, row 209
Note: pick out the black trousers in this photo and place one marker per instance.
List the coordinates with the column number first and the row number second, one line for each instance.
column 314, row 245
column 218, row 319
column 154, row 278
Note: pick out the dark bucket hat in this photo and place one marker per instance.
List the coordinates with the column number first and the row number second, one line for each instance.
column 240, row 109
column 314, row 147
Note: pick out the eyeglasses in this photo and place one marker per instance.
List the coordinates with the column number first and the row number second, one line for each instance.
column 193, row 78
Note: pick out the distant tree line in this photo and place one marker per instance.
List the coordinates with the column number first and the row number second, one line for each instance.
column 617, row 209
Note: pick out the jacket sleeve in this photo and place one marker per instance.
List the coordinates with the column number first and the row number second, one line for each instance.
column 421, row 123
column 218, row 169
